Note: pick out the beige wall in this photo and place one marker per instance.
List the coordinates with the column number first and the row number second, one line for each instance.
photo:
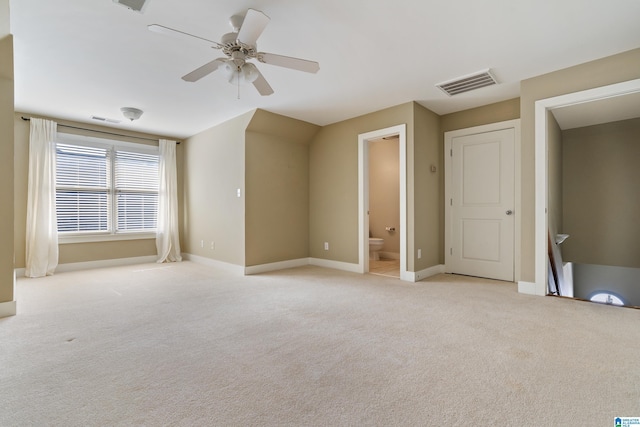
column 614, row 69
column 601, row 197
column 6, row 163
column 333, row 181
column 214, row 169
column 334, row 185
column 492, row 113
column 76, row 252
column 277, row 188
column 426, row 207
column 554, row 168
column 384, row 192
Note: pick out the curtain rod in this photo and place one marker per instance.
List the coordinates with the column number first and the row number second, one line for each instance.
column 99, row 131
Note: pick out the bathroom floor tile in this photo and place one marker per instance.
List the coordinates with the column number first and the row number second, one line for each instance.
column 385, row 267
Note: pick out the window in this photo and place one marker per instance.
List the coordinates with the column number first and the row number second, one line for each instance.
column 105, row 188
column 606, row 298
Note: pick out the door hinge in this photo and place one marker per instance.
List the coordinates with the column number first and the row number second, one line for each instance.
column 451, row 202
column 450, row 251
column 451, row 152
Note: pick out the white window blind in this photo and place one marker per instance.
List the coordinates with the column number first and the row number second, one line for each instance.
column 105, row 188
column 82, row 188
column 136, row 187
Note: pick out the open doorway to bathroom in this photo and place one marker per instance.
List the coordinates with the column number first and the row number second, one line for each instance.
column 383, row 208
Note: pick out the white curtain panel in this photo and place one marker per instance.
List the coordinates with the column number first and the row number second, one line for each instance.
column 167, row 237
column 42, row 227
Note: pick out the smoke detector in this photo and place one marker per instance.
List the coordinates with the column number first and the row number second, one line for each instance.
column 131, row 113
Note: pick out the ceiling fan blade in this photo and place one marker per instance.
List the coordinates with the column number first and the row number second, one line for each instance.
column 288, row 62
column 206, row 69
column 181, row 35
column 253, row 25
column 262, row 85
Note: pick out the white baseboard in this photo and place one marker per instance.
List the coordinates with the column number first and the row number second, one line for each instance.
column 411, row 276
column 228, row 267
column 273, row 266
column 336, row 265
column 7, row 309
column 263, row 268
column 527, row 288
column 88, row 265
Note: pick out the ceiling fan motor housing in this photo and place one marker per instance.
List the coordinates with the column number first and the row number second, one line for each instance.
column 231, row 44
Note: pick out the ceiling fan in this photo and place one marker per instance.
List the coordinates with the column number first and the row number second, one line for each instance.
column 239, row 46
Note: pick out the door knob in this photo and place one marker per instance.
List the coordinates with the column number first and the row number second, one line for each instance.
column 509, row 212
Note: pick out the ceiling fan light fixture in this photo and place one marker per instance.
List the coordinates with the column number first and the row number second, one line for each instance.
column 250, row 72
column 240, row 74
column 131, row 113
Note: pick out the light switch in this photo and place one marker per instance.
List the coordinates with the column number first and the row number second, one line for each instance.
column 239, row 193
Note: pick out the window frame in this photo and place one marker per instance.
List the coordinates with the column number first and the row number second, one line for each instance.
column 111, row 145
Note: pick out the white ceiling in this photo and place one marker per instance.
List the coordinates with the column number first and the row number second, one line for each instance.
column 604, row 110
column 78, row 58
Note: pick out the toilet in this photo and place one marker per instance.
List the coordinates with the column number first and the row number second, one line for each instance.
column 375, row 245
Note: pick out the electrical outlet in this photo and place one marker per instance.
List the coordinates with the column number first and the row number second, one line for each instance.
column 326, row 246
column 202, row 243
column 213, row 245
column 419, row 253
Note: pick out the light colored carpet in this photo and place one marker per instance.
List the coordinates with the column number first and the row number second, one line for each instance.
column 186, row 345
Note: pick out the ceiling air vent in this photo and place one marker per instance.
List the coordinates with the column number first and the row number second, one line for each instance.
column 469, row 82
column 137, row 5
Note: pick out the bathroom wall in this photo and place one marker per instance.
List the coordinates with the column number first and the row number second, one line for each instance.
column 384, row 194
column 601, row 197
column 277, row 188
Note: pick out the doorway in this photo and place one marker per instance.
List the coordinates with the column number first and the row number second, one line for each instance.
column 384, row 206
column 364, row 141
column 482, row 201
column 543, row 108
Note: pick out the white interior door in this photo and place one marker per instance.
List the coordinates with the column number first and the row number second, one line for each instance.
column 482, row 204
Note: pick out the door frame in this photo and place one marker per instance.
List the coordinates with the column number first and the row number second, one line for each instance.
column 363, row 196
column 448, row 177
column 542, row 107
